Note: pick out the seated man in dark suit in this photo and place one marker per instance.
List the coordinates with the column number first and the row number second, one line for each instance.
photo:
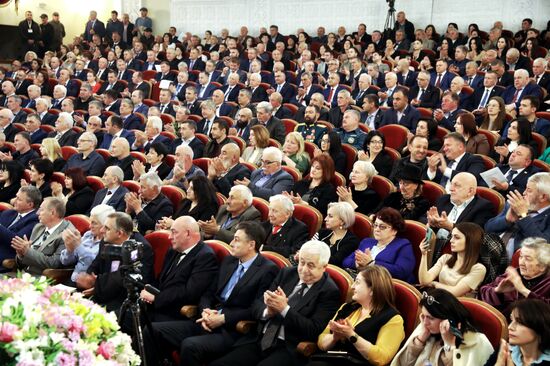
column 32, row 126
column 114, row 129
column 441, row 78
column 187, row 133
column 120, row 156
column 401, row 112
column 187, row 273
column 151, row 205
column 20, row 221
column 284, row 233
column 423, row 94
column 230, row 90
column 225, row 169
column 164, row 73
column 461, row 205
column 522, row 87
column 219, row 138
column 243, row 277
column 363, row 89
column 442, row 167
column 283, row 87
column 130, row 121
column 279, row 110
column 270, row 179
column 24, row 153
column 300, row 302
column 238, row 208
column 264, row 116
column 112, row 83
column 518, row 170
column 43, row 248
column 343, row 103
column 259, row 94
column 64, row 133
column 104, row 279
column 8, row 129
column 485, row 92
column 524, row 216
column 164, row 104
column 153, row 128
column 113, row 193
column 448, row 113
column 372, row 114
column 528, row 109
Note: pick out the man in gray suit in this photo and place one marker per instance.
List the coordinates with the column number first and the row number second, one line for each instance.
column 237, row 209
column 44, row 247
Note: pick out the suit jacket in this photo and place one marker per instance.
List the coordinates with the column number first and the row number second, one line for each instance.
column 108, row 138
column 155, row 210
column 249, row 288
column 10, row 131
column 288, row 240
column 163, row 139
column 37, row 136
column 98, row 27
column 410, row 81
column 449, row 123
column 305, row 100
column 430, row 97
column 519, row 182
column 506, row 80
column 544, row 81
column 143, row 86
column 20, row 117
column 72, row 88
column 335, row 116
column 224, row 184
column 275, row 127
column 445, row 82
column 116, row 201
column 477, row 81
column 118, row 86
column 377, row 118
column 326, row 93
column 49, row 119
column 469, row 163
column 208, row 90
column 259, row 95
column 287, row 91
column 169, row 76
column 223, row 79
column 531, row 226
column 22, row 90
column 184, row 283
column 359, row 96
column 280, row 181
column 478, row 95
column 169, row 109
column 233, row 94
column 67, row 139
column 21, row 228
column 198, row 65
column 47, row 254
column 307, row 319
column 530, row 89
column 196, row 145
column 226, row 234
column 124, row 164
column 409, row 119
column 283, row 112
column 225, row 110
column 479, row 211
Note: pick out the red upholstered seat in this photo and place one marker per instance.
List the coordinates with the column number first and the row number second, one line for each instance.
column 395, row 135
column 343, row 280
column 494, row 197
column 105, row 154
column 95, row 183
column 221, row 199
column 132, row 186
column 415, row 231
column 261, row 205
column 310, row 147
column 351, row 157
column 541, row 142
column 394, row 154
column 545, row 167
column 139, row 156
column 174, row 194
column 68, row 151
column 239, row 141
column 407, row 299
column 290, row 125
column 160, row 242
column 487, row 320
column 431, row 191
column 59, row 178
column 492, row 137
column 362, row 227
column 279, row 260
column 221, row 249
column 382, row 185
column 425, row 113
column 487, row 161
column 80, row 222
column 295, row 173
column 5, row 206
column 249, row 166
column 515, row 259
column 309, row 216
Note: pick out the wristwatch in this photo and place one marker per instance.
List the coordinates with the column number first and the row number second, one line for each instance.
column 353, row 338
column 447, row 348
column 523, row 215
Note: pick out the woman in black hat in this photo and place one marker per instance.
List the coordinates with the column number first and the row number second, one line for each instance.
column 408, row 200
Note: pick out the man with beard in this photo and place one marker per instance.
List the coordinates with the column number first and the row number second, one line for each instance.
column 218, row 132
column 225, row 169
column 310, row 130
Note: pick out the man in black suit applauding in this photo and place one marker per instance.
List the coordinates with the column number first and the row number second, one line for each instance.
column 297, row 306
column 224, row 169
column 243, row 277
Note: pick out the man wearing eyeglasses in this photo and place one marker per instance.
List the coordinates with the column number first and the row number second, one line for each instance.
column 88, row 159
column 270, row 179
column 6, row 126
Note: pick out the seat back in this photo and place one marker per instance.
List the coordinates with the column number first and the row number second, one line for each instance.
column 407, row 302
column 220, row 248
column 131, row 185
column 80, row 222
column 68, row 151
column 351, row 157
column 160, row 242
column 382, row 185
column 343, row 280
column 431, row 191
column 5, row 206
column 59, row 178
column 416, row 232
column 543, row 166
column 496, row 199
column 261, row 205
column 309, row 216
column 515, row 258
column 541, row 142
column 395, row 135
column 290, row 125
column 279, row 260
column 221, row 199
column 202, row 163
column 174, row 194
column 487, row 320
column 362, row 227
column 96, row 183
column 295, row 173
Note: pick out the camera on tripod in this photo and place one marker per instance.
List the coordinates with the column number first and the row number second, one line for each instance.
column 128, row 253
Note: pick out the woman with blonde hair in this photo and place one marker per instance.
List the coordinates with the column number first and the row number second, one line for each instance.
column 258, row 141
column 51, row 150
column 294, row 154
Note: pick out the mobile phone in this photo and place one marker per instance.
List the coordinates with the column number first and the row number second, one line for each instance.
column 429, row 234
column 454, row 329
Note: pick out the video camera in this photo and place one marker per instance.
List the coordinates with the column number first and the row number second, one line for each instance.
column 128, row 253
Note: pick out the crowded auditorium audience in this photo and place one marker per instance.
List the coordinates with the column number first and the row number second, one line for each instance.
column 329, row 199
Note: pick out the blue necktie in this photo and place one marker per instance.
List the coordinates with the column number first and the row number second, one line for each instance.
column 235, row 277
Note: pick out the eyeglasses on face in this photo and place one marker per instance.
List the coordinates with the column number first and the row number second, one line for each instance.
column 267, row 162
column 380, row 226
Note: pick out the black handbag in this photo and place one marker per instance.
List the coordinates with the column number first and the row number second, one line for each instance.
column 339, row 357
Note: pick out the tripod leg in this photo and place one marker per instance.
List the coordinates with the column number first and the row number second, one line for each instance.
column 136, row 317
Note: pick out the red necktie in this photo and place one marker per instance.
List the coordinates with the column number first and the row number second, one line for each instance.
column 330, row 95
column 438, row 80
column 276, row 229
column 515, row 98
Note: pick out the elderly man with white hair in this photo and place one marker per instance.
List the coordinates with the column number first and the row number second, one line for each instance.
column 6, row 125
column 59, row 94
column 184, row 170
column 514, row 93
column 114, row 192
column 541, row 77
column 150, row 205
column 265, row 117
column 88, row 159
column 298, row 305
column 153, row 128
column 80, row 251
column 270, row 179
column 42, row 107
column 284, row 233
column 34, row 93
column 64, row 133
column 238, row 208
column 258, row 92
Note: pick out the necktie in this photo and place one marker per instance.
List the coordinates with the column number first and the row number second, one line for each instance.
column 201, row 93
column 177, row 259
column 162, row 107
column 510, row 175
column 119, row 75
column 109, row 193
column 274, row 325
column 515, row 98
column 227, row 92
column 19, row 217
column 470, row 79
column 276, row 229
column 484, row 99
column 192, row 64
column 419, row 97
column 18, row 84
column 370, row 118
column 537, row 79
column 99, row 73
column 444, row 179
column 330, row 94
column 438, row 80
column 178, row 88
column 235, row 277
column 41, row 240
column 279, row 87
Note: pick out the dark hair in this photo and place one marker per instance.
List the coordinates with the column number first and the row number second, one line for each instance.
column 469, row 125
column 432, row 127
column 160, row 149
column 535, row 315
column 532, row 153
column 335, row 143
column 474, row 25
column 370, row 136
column 473, row 234
column 191, row 124
column 393, row 218
column 14, row 169
column 33, row 195
column 447, row 306
column 25, row 135
column 477, row 41
column 254, row 231
column 205, row 191
column 327, row 165
column 117, row 121
column 435, row 35
column 501, row 117
column 456, row 136
column 222, row 124
column 43, row 166
column 535, row 103
column 123, row 222
column 78, row 177
column 524, row 130
column 373, row 98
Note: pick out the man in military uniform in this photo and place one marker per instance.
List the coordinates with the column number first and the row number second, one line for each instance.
column 350, row 133
column 309, row 129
